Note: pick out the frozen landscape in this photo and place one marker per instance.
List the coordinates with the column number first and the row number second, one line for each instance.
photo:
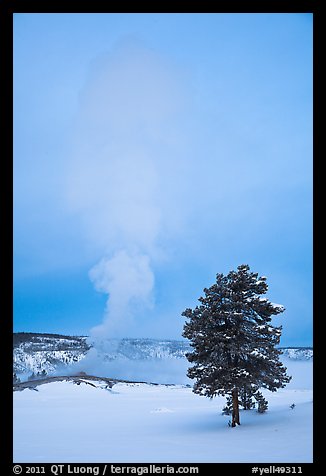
column 158, row 159
column 91, row 421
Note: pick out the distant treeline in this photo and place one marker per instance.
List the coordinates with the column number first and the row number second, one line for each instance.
column 20, row 337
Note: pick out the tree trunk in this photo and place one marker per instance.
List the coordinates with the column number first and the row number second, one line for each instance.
column 245, row 399
column 235, row 408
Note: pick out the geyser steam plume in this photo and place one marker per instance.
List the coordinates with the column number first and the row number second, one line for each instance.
column 127, row 154
column 128, row 280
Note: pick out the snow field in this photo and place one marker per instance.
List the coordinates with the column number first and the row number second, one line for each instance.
column 141, row 423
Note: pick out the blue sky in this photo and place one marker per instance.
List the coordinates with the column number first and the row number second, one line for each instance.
column 152, row 151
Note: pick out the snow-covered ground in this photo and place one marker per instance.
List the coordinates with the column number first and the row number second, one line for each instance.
column 64, row 422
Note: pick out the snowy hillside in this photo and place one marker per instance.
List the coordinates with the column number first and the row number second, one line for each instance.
column 298, row 353
column 47, row 353
column 164, row 361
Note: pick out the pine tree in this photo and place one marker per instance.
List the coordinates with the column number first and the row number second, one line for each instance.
column 234, row 353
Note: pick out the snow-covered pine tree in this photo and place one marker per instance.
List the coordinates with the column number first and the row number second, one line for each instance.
column 234, row 342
